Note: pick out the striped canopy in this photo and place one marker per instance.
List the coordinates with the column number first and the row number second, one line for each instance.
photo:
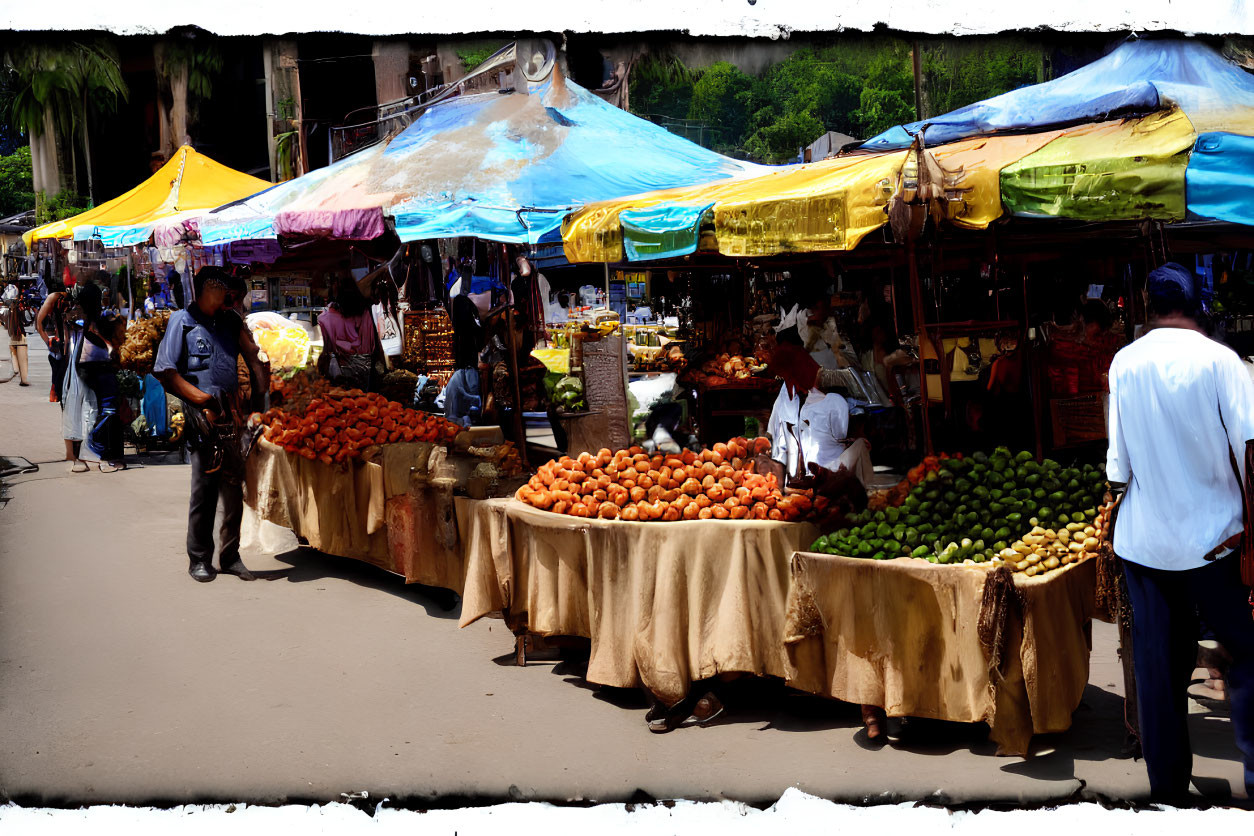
column 1155, row 130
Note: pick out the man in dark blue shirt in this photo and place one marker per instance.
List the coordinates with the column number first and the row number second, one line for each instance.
column 198, row 362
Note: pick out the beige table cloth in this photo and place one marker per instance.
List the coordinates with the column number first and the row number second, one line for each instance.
column 902, row 634
column 664, row 604
column 365, row 511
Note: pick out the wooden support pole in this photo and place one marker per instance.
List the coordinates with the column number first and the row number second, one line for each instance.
column 920, row 327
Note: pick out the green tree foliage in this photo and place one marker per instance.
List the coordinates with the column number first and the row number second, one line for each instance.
column 959, row 73
column 722, row 97
column 69, row 80
column 661, row 86
column 472, row 57
column 196, row 53
column 16, row 189
column 857, row 88
column 60, row 206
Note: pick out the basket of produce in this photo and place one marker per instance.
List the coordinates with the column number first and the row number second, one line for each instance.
column 718, row 483
column 339, row 424
column 995, row 509
column 139, row 350
column 285, row 343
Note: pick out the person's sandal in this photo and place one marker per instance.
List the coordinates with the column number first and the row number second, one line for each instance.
column 660, row 719
column 706, row 710
column 112, row 467
column 79, row 466
column 876, row 722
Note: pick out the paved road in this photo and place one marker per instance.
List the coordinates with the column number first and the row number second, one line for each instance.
column 123, row 680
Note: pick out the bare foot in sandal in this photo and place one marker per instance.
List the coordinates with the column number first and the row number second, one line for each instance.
column 875, row 720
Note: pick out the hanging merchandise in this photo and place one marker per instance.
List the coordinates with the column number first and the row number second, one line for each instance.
column 389, row 330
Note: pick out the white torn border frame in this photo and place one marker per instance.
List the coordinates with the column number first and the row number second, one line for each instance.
column 735, row 18
column 795, row 812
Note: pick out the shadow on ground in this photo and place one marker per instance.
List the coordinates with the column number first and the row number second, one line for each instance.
column 310, row 565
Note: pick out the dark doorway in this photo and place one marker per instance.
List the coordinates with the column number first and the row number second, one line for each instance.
column 336, row 78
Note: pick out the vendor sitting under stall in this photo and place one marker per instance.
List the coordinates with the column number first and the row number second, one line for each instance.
column 809, row 423
column 350, row 341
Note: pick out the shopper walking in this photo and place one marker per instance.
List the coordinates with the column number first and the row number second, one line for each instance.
column 1181, row 412
column 97, row 364
column 12, row 322
column 198, row 361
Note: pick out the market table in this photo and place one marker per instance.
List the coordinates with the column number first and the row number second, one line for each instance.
column 369, row 511
column 664, row 604
column 903, row 634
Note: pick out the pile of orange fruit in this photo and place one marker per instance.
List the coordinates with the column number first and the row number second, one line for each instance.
column 339, row 424
column 717, row 483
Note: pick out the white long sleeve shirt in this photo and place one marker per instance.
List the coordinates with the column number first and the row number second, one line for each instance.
column 821, row 427
column 1179, row 402
column 787, row 410
column 824, row 429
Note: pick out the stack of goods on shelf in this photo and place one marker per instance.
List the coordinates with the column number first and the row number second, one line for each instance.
column 428, row 343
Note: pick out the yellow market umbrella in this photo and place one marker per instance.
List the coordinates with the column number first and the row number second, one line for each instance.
column 190, row 181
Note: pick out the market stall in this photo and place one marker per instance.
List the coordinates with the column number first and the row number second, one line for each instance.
column 926, row 640
column 674, row 566
column 663, row 605
column 362, row 477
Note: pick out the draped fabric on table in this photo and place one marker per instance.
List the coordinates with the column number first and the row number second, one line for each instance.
column 367, row 512
column 902, row 634
column 664, row 604
column 497, row 166
column 186, row 187
column 1155, row 130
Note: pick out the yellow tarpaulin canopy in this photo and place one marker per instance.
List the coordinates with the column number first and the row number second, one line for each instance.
column 829, row 205
column 972, row 174
column 190, row 181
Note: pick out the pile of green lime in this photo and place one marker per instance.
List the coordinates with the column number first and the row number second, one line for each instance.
column 973, row 508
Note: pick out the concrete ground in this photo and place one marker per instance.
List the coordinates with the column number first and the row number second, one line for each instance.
column 122, row 680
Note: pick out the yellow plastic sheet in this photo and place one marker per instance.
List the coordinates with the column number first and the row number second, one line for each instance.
column 189, row 181
column 830, row 205
column 1118, row 170
column 972, row 174
column 827, row 206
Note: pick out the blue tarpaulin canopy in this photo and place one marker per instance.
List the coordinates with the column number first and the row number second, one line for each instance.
column 499, row 166
column 1140, row 77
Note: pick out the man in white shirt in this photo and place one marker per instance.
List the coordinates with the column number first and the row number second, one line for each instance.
column 1181, row 410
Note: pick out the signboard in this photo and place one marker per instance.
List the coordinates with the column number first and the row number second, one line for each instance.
column 605, row 388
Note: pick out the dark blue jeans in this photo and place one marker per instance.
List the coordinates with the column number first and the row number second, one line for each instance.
column 1165, row 610
column 105, row 439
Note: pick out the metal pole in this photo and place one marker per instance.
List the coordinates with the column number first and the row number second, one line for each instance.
column 920, row 327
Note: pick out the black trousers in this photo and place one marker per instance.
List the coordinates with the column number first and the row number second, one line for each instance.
column 1165, row 610
column 226, row 486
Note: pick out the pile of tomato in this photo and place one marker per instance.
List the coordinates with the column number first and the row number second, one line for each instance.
column 339, row 424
